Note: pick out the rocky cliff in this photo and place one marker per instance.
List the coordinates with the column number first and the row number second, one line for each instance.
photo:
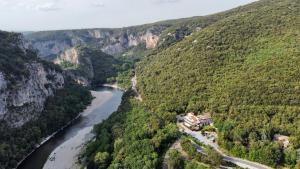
column 111, row 41
column 70, row 55
column 25, row 81
column 23, row 103
column 88, row 66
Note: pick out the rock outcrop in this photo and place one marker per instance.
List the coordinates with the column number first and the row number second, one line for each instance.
column 24, row 102
column 88, row 66
column 70, row 55
column 150, row 39
column 25, row 81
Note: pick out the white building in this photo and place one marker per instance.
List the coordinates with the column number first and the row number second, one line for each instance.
column 196, row 122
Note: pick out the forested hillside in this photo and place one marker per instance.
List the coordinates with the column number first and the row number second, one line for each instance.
column 132, row 137
column 244, row 69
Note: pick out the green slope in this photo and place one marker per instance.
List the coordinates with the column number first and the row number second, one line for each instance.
column 243, row 68
column 131, row 138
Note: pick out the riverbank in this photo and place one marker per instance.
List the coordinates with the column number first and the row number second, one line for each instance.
column 58, row 112
column 45, row 140
column 106, row 100
column 66, row 154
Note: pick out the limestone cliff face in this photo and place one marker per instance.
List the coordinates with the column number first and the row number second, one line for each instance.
column 88, row 66
column 26, row 100
column 120, row 41
column 110, row 41
column 25, row 81
column 70, row 55
column 150, row 39
column 74, row 58
column 50, row 48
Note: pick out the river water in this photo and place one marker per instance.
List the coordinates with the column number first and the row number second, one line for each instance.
column 61, row 151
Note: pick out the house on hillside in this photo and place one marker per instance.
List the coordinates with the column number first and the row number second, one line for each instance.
column 283, row 140
column 191, row 121
column 197, row 122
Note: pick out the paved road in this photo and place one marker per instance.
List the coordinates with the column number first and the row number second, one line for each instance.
column 240, row 162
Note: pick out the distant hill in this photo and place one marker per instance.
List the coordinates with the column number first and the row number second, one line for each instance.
column 111, row 41
column 245, row 69
column 131, row 42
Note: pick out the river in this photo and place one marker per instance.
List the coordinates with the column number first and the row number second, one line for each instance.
column 61, row 151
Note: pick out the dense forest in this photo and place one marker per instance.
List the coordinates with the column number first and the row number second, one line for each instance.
column 244, row 69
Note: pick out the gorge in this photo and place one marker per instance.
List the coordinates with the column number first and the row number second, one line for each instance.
column 241, row 66
column 63, row 149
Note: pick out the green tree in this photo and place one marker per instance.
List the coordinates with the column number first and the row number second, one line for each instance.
column 194, row 165
column 102, row 160
column 174, row 161
column 290, row 156
column 214, row 157
column 297, row 165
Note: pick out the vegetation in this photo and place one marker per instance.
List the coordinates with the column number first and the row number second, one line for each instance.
column 241, row 65
column 194, row 165
column 174, row 161
column 133, row 137
column 124, row 78
column 13, row 57
column 102, row 160
column 242, row 68
column 68, row 65
column 208, row 129
column 207, row 156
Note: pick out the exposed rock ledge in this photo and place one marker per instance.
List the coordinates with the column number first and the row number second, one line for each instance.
column 24, row 101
